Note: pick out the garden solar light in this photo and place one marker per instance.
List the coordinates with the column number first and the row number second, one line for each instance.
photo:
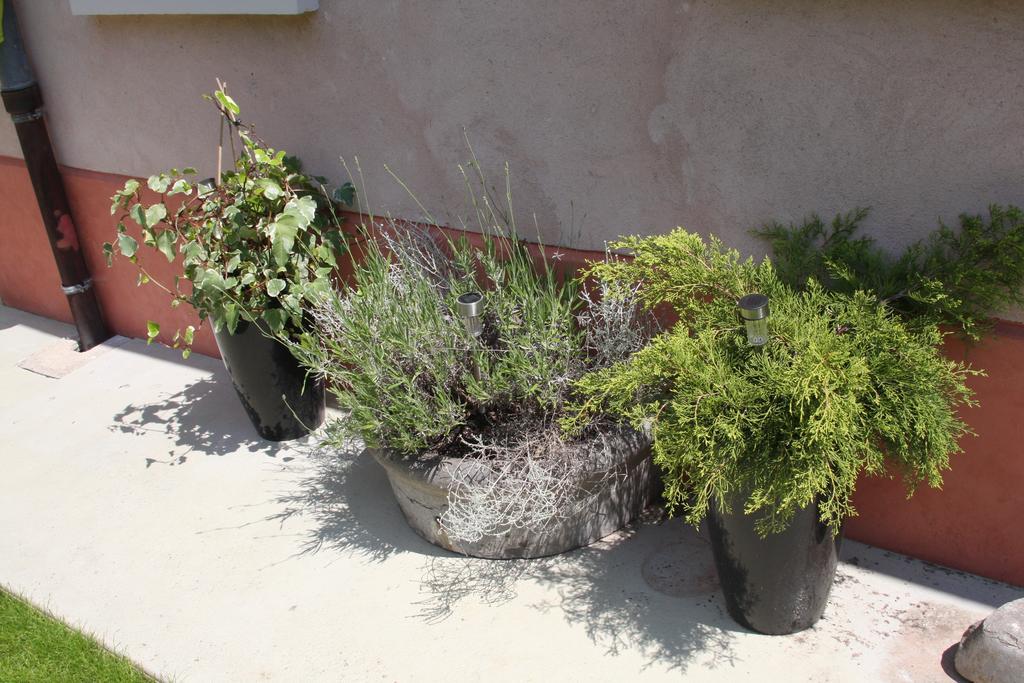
column 470, row 306
column 754, row 311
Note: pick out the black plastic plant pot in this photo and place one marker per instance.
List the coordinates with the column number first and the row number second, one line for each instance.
column 282, row 401
column 778, row 584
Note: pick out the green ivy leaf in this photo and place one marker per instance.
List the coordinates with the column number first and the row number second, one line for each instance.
column 271, row 190
column 213, row 280
column 275, row 287
column 231, row 316
column 232, row 214
column 291, row 304
column 194, row 254
column 155, row 214
column 159, row 183
column 261, row 156
column 282, row 233
column 280, row 251
column 226, row 102
column 346, row 194
column 303, row 208
column 152, row 331
column 108, row 253
column 325, row 255
column 232, row 263
column 127, row 244
column 316, row 288
column 165, row 243
column 138, row 214
column 275, row 318
column 120, row 198
column 181, row 186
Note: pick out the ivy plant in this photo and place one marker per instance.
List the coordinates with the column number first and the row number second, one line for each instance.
column 257, row 244
column 843, row 386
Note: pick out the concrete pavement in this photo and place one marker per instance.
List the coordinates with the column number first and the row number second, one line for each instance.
column 137, row 503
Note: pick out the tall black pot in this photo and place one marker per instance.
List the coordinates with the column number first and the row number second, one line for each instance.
column 282, row 401
column 778, row 584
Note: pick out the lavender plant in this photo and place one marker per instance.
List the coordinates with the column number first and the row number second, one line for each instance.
column 416, row 382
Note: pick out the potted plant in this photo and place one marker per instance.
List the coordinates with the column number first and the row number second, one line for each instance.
column 454, row 363
column 256, row 245
column 765, row 431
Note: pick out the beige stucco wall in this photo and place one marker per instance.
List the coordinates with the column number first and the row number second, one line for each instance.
column 618, row 116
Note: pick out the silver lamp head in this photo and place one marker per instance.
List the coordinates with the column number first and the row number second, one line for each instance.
column 470, row 306
column 205, row 187
column 754, row 312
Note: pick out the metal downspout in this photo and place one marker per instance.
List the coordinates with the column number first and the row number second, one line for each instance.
column 24, row 102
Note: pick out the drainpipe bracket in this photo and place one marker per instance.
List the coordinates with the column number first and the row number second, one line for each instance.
column 27, row 117
column 23, row 101
column 80, row 288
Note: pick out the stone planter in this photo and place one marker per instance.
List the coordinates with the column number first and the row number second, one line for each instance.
column 281, row 400
column 778, row 584
column 611, row 494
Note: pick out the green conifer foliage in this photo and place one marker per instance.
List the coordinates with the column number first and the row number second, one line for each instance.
column 954, row 276
column 843, row 386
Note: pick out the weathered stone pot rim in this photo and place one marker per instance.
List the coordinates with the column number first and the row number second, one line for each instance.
column 434, row 470
column 617, row 488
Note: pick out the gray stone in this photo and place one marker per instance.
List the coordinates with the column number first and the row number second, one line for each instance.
column 992, row 650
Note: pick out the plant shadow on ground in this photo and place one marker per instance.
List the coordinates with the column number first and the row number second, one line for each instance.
column 205, row 417
column 651, row 588
column 347, row 497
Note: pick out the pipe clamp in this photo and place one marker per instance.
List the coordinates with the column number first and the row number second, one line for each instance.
column 79, row 288
column 27, row 117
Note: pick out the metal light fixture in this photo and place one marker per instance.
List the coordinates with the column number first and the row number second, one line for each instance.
column 754, row 311
column 205, row 187
column 471, row 306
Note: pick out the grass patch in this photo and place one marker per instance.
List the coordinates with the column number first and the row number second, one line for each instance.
column 37, row 647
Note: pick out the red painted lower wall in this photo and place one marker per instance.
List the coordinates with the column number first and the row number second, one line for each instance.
column 975, row 521
column 28, row 276
column 972, row 524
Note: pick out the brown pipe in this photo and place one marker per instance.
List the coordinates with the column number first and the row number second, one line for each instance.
column 24, row 102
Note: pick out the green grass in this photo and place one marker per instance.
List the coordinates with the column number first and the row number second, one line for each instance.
column 36, row 647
